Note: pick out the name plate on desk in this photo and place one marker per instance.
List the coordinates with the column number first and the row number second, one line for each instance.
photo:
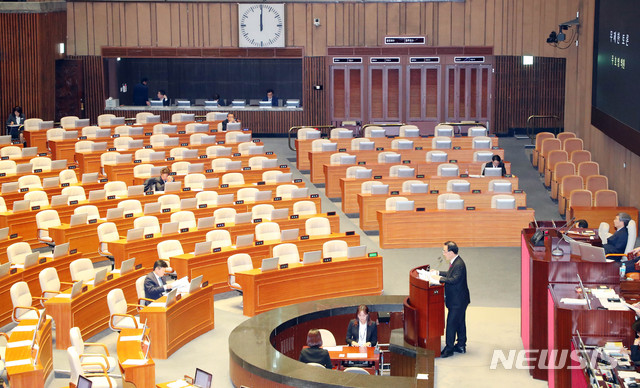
column 342, row 150
column 406, row 162
column 420, row 176
column 184, row 144
column 221, row 142
column 457, row 148
column 128, row 215
column 110, row 276
column 453, row 161
column 4, row 158
column 362, row 163
column 471, row 208
column 85, row 288
column 495, row 148
column 167, row 210
column 216, row 250
column 115, row 136
column 261, row 183
column 475, row 191
column 148, row 193
column 72, row 167
column 202, row 206
column 277, row 198
column 257, row 220
column 220, row 225
column 73, row 251
column 519, row 191
column 103, row 180
column 24, row 189
column 37, row 170
column 246, row 168
column 148, row 133
column 304, row 237
column 111, row 197
column 82, row 138
column 173, row 173
column 203, row 156
column 137, row 161
column 350, row 233
column 209, row 170
column 419, row 209
column 148, row 146
column 15, row 235
column 314, row 196
column 326, row 260
column 240, row 202
column 331, row 213
column 464, row 175
column 138, row 266
column 93, row 221
column 269, row 153
column 297, row 180
column 284, row 266
column 294, row 217
column 525, row 208
column 111, row 149
column 182, row 132
column 224, row 185
column 434, row 191
column 283, row 166
column 395, row 192
column 418, row 148
column 3, row 174
column 171, row 159
column 42, row 260
column 184, row 230
column 379, row 148
column 186, row 189
column 377, row 177
column 73, row 202
column 259, row 242
column 508, row 175
column 204, row 284
column 13, row 270
column 35, row 207
column 237, row 154
column 150, row 235
column 372, row 254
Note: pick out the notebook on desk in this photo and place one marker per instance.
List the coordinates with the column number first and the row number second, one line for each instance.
column 202, row 379
column 31, row 259
column 20, row 206
column 78, row 219
column 135, row 234
column 593, row 254
column 289, row 234
column 4, row 269
column 59, row 200
column 359, row 251
column 202, row 248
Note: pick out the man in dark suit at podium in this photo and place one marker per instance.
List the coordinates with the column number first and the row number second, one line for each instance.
column 456, row 297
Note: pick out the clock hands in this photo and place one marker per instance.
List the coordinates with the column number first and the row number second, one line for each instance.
column 261, row 26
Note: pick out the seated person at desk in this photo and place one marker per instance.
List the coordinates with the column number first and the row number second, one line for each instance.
column 496, row 161
column 361, row 331
column 154, row 284
column 270, row 97
column 231, row 118
column 618, row 241
column 217, row 100
column 157, row 183
column 581, row 224
column 16, row 119
column 314, row 353
column 162, row 96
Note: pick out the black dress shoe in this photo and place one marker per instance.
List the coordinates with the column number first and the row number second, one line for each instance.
column 446, row 353
column 460, row 349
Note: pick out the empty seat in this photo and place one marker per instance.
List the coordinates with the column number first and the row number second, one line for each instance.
column 232, row 137
column 442, row 199
column 180, row 168
column 540, row 137
column 68, row 122
column 32, row 125
column 42, row 163
column 441, row 142
column 220, row 164
column 8, row 167
column 548, row 145
column 184, row 218
column 143, row 155
column 108, row 158
column 212, row 151
column 496, row 198
column 238, row 263
column 560, row 170
column 408, row 131
column 595, row 183
column 74, row 193
column 169, row 248
column 286, row 253
column 562, row 136
column 336, row 159
column 382, row 156
column 84, row 146
column 209, row 198
column 17, row 252
column 142, row 171
column 118, row 317
column 390, row 203
column 554, row 157
column 107, row 232
column 394, row 171
column 12, row 152
column 50, row 283
column 285, row 191
column 304, row 208
column 117, row 188
column 477, row 131
column 606, row 198
column 141, row 117
column 308, row 133
column 255, row 162
column 92, row 361
column 580, row 197
column 37, row 198
column 196, row 138
column 580, row 156
column 169, row 201
column 177, row 152
column 316, row 145
column 448, row 169
column 68, row 176
column 233, row 179
column 586, row 169
column 365, row 187
column 225, row 215
column 130, row 206
column 44, row 220
column 122, row 143
column 195, row 181
column 572, row 144
column 271, row 177
column 90, row 210
column 267, row 231
column 481, row 142
column 370, row 131
column 351, row 171
column 29, row 181
column 157, row 141
column 340, row 133
column 243, row 148
column 335, row 248
column 55, row 134
column 150, row 224
column 22, row 302
column 104, row 120
column 262, row 211
column 122, row 130
column 567, row 185
column 406, row 185
column 317, row 226
column 220, row 238
column 82, row 269
column 247, row 194
column 443, row 130
column 355, row 143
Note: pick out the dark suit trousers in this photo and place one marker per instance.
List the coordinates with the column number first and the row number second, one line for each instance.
column 456, row 324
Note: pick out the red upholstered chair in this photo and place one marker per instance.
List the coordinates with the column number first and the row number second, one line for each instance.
column 536, row 151
column 553, row 158
column 572, row 144
column 580, row 197
column 579, row 156
column 560, row 170
column 562, row 136
column 586, row 169
column 606, row 198
column 594, row 183
column 567, row 185
column 548, row 145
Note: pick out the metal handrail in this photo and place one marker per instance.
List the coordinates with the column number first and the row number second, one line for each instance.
column 380, row 125
column 467, row 124
column 296, row 128
column 533, row 117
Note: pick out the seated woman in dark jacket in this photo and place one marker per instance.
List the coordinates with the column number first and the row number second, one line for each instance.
column 361, row 331
column 314, row 353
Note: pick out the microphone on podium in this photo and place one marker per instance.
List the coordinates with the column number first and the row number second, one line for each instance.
column 557, row 251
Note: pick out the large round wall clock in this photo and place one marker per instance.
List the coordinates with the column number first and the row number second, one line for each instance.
column 261, row 25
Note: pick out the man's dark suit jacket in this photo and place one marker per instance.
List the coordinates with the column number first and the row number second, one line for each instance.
column 501, row 164
column 456, row 290
column 154, row 184
column 152, row 289
column 317, row 355
column 165, row 102
column 224, row 124
column 617, row 243
column 353, row 334
column 140, row 94
column 12, row 119
column 274, row 100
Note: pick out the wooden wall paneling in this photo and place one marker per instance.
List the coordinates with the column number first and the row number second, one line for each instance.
column 319, row 33
column 71, row 35
column 100, row 37
column 143, row 24
column 331, row 23
column 412, row 16
column 457, row 24
column 163, row 24
column 444, row 25
column 489, row 20
column 393, row 19
column 81, row 28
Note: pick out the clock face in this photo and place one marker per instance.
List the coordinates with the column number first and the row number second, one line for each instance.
column 261, row 25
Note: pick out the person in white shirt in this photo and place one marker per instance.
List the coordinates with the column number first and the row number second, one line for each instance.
column 154, row 284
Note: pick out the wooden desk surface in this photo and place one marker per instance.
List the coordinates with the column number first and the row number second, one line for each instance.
column 89, row 311
column 31, row 277
column 478, row 228
column 263, row 291
column 141, row 375
column 249, row 175
column 350, row 187
column 43, row 174
column 320, row 158
column 9, row 198
column 30, row 375
column 213, row 266
column 174, row 326
column 369, row 204
column 595, row 215
column 339, row 356
column 303, row 147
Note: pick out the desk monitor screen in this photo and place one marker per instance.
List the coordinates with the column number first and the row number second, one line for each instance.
column 311, row 257
column 133, row 191
column 5, row 139
column 444, row 132
column 100, row 276
column 103, row 132
column 76, row 289
column 50, row 182
column 116, row 121
column 156, row 156
column 483, row 156
column 242, row 137
column 210, row 183
column 124, row 159
column 188, row 203
column 210, row 139
column 10, row 187
column 364, row 173
column 22, row 205
column 202, row 379
column 29, row 152
column 235, row 165
column 82, row 123
column 206, row 222
column 234, row 126
column 135, row 234
column 449, row 171
column 219, row 116
column 359, row 251
column 133, row 144
column 195, row 282
column 45, row 125
column 439, row 157
column 380, row 189
column 289, row 234
column 245, row 240
column 594, row 254
column 31, row 259
column 172, row 187
column 89, row 177
column 243, row 218
column 202, row 248
column 66, row 135
column 153, row 119
column 136, row 131
column 201, row 128
column 481, row 144
column 419, row 188
column 326, row 147
column 284, row 177
column 149, row 208
column 188, row 117
column 24, row 168
column 443, row 144
column 256, row 150
column 60, row 250
column 101, row 145
column 170, row 228
column 183, row 103
column 300, row 193
column 411, row 132
column 404, row 205
column 127, row 266
column 392, row 158
column 460, row 187
column 377, row 133
column 4, row 269
column 505, row 203
column 406, row 172
column 574, row 245
column 501, row 187
column 59, row 200
column 266, row 104
column 171, row 297
column 211, row 104
column 454, row 204
column 269, row 264
column 225, row 199
column 405, row 145
column 493, row 171
column 263, row 196
column 172, row 142
column 192, row 154
column 367, row 146
column 61, row 164
column 116, row 213
column 4, row 232
column 269, row 163
column 84, row 382
column 78, row 219
column 279, row 214
column 155, row 103
column 169, row 129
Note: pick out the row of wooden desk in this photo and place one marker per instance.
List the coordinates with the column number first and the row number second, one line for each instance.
column 303, row 147
column 30, row 370
column 320, row 158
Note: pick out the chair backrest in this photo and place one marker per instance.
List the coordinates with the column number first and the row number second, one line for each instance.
column 271, row 176
column 267, row 231
column 556, row 156
column 107, row 232
column 196, row 138
column 365, row 187
column 225, row 215
column 177, row 152
column 118, row 188
column 441, row 142
column 13, row 152
column 169, row 201
column 210, row 198
column 117, row 304
column 371, row 129
column 286, row 253
column 130, row 206
column 549, row 145
column 383, row 155
column 436, row 156
column 9, row 167
column 91, row 211
column 304, row 208
column 194, row 180
column 142, row 171
column 562, row 169
column 169, row 248
column 356, row 370
column 481, row 142
column 340, row 133
column 47, row 218
column 247, row 194
column 55, row 134
column 632, row 230
column 30, row 181
column 335, row 248
column 443, row 130
column 233, row 179
column 580, row 156
column 109, row 157
column 141, row 117
column 406, row 185
column 104, row 120
column 32, row 124
column 184, row 218
column 68, row 121
column 180, row 168
column 605, row 198
column 495, row 198
column 307, row 133
column 572, row 144
column 442, row 198
column 316, row 145
column 74, row 193
column 562, row 136
column 49, row 281
column 542, row 136
column 17, row 252
column 580, row 197
column 328, row 339
column 285, row 191
column 390, row 203
column 219, row 238
column 586, row 169
column 317, row 226
column 81, row 269
column 76, row 339
column 41, row 162
column 84, row 146
column 149, row 223
column 351, row 171
column 408, row 131
column 20, row 295
column 453, row 185
column 255, row 162
column 243, row 148
column 570, row 183
column 157, row 141
column 596, row 182
column 238, row 263
column 262, row 211
column 476, row 131
column 68, row 176
column 140, row 287
column 37, row 198
column 455, row 171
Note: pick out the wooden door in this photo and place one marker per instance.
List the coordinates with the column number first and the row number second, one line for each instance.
column 423, row 90
column 347, row 93
column 69, row 88
column 385, row 97
column 468, row 92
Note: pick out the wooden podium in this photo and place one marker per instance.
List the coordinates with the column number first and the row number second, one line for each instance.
column 424, row 313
